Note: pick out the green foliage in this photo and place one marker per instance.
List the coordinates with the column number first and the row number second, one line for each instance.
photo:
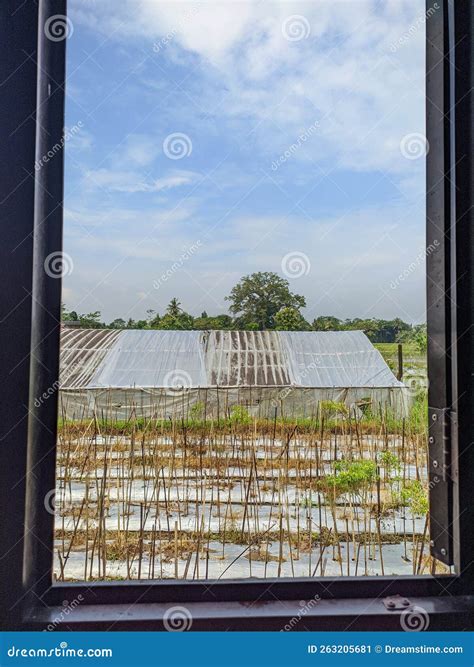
column 197, row 411
column 91, row 320
column 290, row 319
column 239, row 415
column 333, row 409
column 349, row 477
column 206, row 323
column 389, row 461
column 250, row 326
column 119, row 323
column 257, row 298
column 327, row 323
column 378, row 331
column 417, row 335
column 415, row 497
column 260, row 301
column 175, row 319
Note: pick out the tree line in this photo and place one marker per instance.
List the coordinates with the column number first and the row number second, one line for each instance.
column 261, row 301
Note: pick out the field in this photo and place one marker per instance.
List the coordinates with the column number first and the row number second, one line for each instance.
column 414, row 361
column 342, row 493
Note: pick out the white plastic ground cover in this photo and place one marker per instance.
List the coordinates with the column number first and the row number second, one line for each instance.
column 146, row 359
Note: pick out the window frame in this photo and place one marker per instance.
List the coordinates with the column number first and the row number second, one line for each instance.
column 30, row 599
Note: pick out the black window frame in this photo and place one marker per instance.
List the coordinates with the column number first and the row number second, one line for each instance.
column 31, row 117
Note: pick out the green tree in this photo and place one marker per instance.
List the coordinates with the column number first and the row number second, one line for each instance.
column 175, row 318
column 174, row 308
column 204, row 323
column 119, row 323
column 327, row 323
column 257, row 298
column 92, row 320
column 290, row 319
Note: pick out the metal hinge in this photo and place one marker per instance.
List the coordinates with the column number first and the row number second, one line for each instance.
column 439, row 440
column 441, row 424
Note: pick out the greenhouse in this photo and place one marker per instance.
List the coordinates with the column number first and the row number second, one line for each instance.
column 160, row 373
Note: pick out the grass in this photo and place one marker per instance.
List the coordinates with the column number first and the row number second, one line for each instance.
column 414, row 361
column 331, row 418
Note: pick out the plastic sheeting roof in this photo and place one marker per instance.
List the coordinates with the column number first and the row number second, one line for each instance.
column 335, row 359
column 155, row 358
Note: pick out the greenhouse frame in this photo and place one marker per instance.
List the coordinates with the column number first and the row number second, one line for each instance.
column 163, row 374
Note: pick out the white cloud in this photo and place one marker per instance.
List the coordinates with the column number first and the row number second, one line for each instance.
column 347, row 279
column 112, row 180
column 345, row 74
column 249, row 85
column 140, row 150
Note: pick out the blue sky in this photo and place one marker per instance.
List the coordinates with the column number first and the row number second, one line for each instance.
column 272, row 136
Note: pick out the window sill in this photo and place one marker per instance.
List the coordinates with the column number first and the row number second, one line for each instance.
column 439, row 613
